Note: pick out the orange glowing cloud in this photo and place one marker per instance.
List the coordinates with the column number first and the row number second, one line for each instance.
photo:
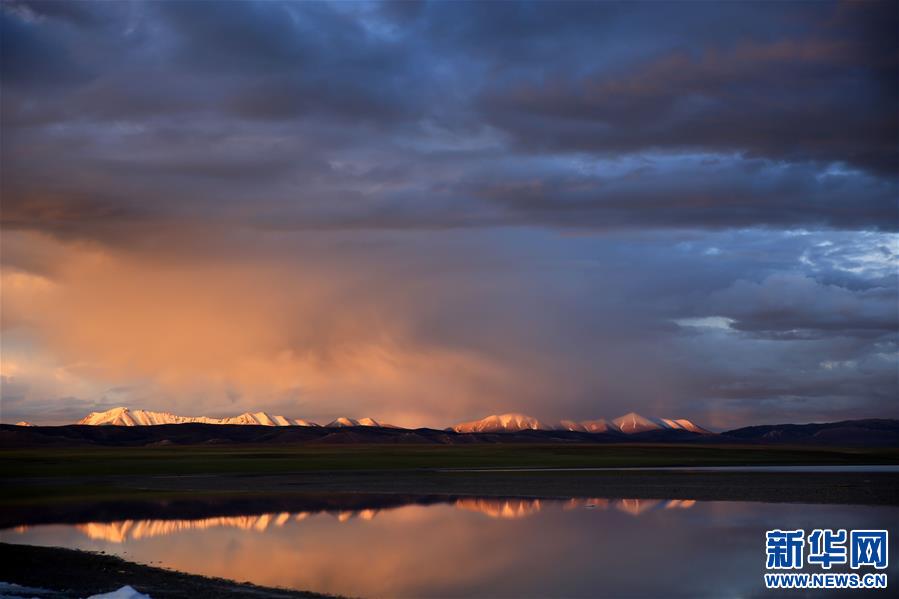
column 313, row 336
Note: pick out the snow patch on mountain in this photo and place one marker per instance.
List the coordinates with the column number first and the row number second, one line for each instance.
column 600, row 425
column 500, row 423
column 344, row 422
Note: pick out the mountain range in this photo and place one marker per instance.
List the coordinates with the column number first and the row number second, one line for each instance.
column 502, row 429
column 497, row 423
column 628, row 424
column 122, row 416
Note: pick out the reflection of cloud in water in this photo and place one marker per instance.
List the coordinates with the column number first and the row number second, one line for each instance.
column 121, row 531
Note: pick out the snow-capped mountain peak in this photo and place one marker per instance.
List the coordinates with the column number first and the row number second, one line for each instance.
column 600, row 425
column 496, row 423
column 628, row 424
column 683, row 424
column 511, row 422
column 344, row 421
column 122, row 416
column 571, row 425
column 635, row 423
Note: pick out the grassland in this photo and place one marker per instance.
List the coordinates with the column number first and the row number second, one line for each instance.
column 39, row 478
column 243, row 459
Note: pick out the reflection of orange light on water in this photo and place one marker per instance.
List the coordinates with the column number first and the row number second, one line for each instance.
column 590, row 503
column 682, row 504
column 121, row 531
column 346, row 515
column 263, row 522
column 501, row 508
column 414, row 542
column 635, row 507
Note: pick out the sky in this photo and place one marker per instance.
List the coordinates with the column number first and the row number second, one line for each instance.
column 428, row 212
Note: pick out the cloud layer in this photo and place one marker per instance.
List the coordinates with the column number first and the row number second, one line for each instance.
column 426, row 212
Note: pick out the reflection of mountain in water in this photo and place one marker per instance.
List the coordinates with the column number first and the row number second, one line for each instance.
column 521, row 508
column 634, row 507
column 118, row 532
column 503, row 508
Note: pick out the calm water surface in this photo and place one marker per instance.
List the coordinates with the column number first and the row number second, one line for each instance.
column 479, row 547
column 822, row 469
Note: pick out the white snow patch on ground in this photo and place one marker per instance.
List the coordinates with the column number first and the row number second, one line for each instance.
column 126, row 592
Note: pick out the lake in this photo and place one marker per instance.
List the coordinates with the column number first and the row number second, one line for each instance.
column 478, row 546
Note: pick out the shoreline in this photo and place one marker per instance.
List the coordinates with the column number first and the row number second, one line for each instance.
column 74, row 573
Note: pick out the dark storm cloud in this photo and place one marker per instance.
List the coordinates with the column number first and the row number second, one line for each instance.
column 31, row 57
column 796, row 304
column 824, row 93
column 787, row 101
column 77, row 13
column 775, row 97
column 714, row 192
column 293, row 60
